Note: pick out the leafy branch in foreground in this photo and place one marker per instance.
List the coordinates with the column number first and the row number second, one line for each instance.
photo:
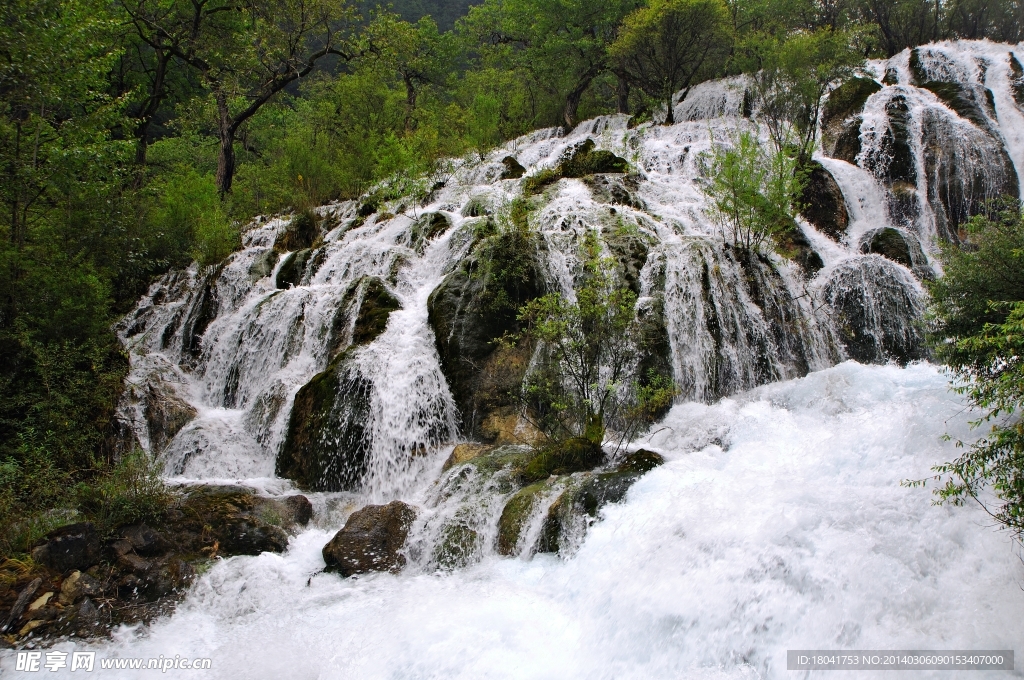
column 589, row 378
column 979, row 332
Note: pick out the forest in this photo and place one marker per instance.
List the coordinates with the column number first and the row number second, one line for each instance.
column 138, row 136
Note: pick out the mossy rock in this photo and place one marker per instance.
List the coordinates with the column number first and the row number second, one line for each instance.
column 890, row 244
column 562, row 458
column 585, row 160
column 512, row 168
column 300, row 234
column 458, row 546
column 616, row 190
column 263, row 265
column 374, row 312
column 536, row 183
column 426, row 229
column 963, row 101
column 327, row 445
column 473, row 307
column 896, row 144
column 292, row 269
column 477, row 206
column 593, row 493
column 848, row 100
column 515, row 516
column 823, row 204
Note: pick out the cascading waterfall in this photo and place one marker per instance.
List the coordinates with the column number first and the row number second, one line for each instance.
column 219, row 356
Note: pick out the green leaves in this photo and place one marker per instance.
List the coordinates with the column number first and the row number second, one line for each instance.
column 671, row 45
column 978, row 309
column 752, row 190
column 590, row 379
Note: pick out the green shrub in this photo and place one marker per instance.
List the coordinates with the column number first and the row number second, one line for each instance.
column 978, row 331
column 131, row 491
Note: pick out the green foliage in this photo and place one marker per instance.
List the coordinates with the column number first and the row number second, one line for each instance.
column 130, row 491
column 537, row 182
column 791, row 75
column 671, row 45
column 752, row 190
column 189, row 207
column 590, row 381
column 978, row 309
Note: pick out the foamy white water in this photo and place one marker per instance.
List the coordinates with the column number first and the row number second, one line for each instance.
column 779, row 522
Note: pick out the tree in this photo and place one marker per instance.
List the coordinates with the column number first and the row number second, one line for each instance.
column 245, row 53
column 671, row 45
column 978, row 331
column 752, row 190
column 592, row 343
column 418, row 53
column 563, row 44
column 791, row 77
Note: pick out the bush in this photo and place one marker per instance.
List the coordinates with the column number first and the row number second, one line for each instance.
column 590, row 379
column 978, row 310
column 752, row 191
column 131, row 491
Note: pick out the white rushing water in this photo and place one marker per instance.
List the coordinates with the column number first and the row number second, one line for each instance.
column 778, row 523
column 779, row 520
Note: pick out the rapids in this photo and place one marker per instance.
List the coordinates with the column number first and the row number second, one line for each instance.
column 779, row 522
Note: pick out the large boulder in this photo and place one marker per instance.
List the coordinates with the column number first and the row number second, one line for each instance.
column 823, row 204
column 75, row 546
column 878, row 309
column 900, row 247
column 327, row 445
column 371, row 540
column 473, row 307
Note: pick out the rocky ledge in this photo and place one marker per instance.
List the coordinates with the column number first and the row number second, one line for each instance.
column 83, row 582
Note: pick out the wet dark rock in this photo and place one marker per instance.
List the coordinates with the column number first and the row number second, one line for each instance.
column 230, row 518
column 474, row 306
column 300, row 234
column 428, row 227
column 166, row 414
column 201, row 312
column 1016, row 80
column 878, row 309
column 616, row 189
column 79, row 585
column 374, row 312
column 847, row 100
column 512, row 168
column 263, row 265
column 898, row 246
column 76, row 546
column 515, row 515
column 458, row 546
column 19, row 605
column 371, row 540
column 964, row 101
column 841, row 120
column 571, row 509
column 823, row 203
column 327, row 445
column 292, row 269
column 301, row 509
column 585, row 159
column 144, row 540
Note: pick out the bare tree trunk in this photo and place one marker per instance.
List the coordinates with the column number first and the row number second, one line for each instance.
column 572, row 100
column 670, row 114
column 410, row 102
column 622, row 95
column 226, row 157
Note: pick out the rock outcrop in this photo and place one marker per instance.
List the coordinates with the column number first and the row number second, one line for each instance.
column 371, row 540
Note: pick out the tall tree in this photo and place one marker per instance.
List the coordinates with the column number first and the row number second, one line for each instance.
column 672, row 45
column 245, row 52
column 561, row 43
